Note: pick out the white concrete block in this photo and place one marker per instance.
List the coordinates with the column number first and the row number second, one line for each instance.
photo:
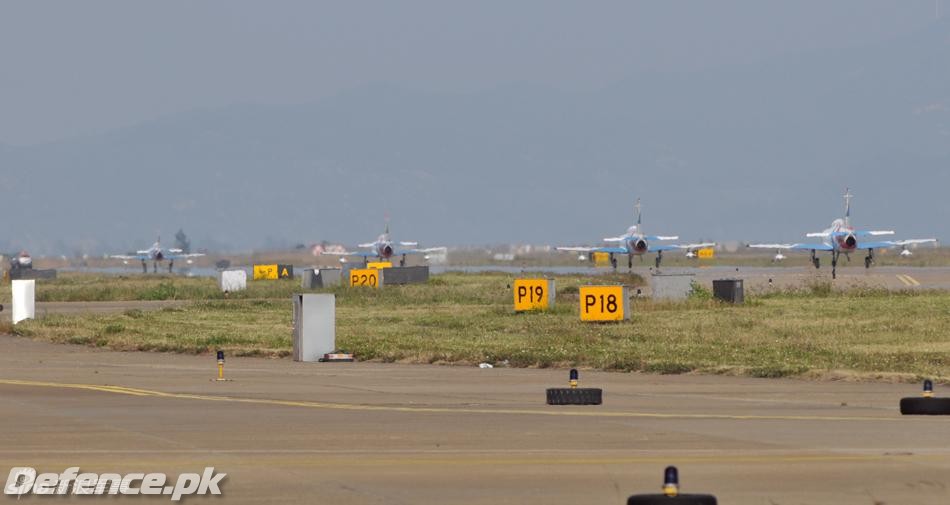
column 24, row 300
column 232, row 280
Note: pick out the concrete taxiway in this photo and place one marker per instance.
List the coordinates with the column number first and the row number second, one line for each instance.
column 359, row 433
column 765, row 279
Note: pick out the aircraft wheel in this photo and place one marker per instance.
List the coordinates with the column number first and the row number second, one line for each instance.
column 817, row 263
column 575, row 396
column 867, row 262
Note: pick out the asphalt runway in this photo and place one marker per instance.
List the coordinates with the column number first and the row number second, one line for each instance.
column 765, row 279
column 288, row 432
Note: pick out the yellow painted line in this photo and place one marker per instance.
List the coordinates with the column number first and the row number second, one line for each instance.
column 908, row 280
column 435, row 410
column 370, row 459
column 364, row 461
column 89, row 387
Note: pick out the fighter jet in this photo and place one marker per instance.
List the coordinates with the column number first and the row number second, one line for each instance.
column 156, row 254
column 636, row 243
column 385, row 249
column 842, row 238
column 21, row 260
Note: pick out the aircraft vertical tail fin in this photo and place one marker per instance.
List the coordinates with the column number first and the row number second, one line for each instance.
column 639, row 216
column 847, row 206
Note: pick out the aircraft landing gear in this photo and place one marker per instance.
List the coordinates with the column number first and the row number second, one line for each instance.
column 613, row 261
column 171, row 264
column 144, row 267
column 834, row 264
column 630, row 262
column 155, row 267
column 402, row 261
column 659, row 258
column 814, row 259
column 869, row 258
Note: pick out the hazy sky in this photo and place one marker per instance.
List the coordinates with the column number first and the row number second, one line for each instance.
column 258, row 123
column 76, row 68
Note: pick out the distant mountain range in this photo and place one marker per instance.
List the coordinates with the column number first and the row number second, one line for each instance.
column 760, row 151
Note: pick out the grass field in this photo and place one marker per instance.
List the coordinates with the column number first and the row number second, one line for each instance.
column 78, row 287
column 467, row 319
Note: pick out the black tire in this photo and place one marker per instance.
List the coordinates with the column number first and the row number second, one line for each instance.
column 662, row 499
column 578, row 396
column 920, row 406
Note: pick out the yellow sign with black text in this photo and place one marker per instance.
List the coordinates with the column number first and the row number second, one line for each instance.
column 369, row 277
column 379, row 264
column 705, row 254
column 265, row 272
column 603, row 303
column 533, row 294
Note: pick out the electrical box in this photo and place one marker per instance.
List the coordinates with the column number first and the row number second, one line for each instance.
column 728, row 290
column 232, row 280
column 24, row 300
column 314, row 326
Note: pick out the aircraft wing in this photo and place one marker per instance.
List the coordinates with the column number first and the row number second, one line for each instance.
column 915, row 241
column 795, row 247
column 362, row 254
column 690, row 247
column 886, row 244
column 175, row 255
column 614, row 239
column 575, row 249
column 873, row 233
column 662, row 237
column 614, row 250
column 138, row 256
column 426, row 250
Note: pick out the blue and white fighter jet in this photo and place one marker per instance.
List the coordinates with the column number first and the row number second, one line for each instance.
column 156, row 254
column 842, row 238
column 636, row 243
column 385, row 249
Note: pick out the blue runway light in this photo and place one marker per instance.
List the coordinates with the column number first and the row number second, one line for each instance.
column 220, row 355
column 928, row 388
column 573, row 381
column 671, row 481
